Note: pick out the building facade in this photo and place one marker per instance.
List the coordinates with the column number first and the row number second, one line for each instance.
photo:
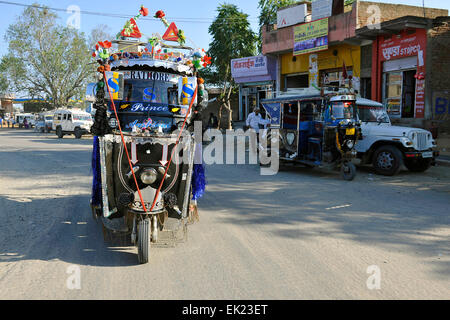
column 256, row 77
column 387, row 52
column 406, row 54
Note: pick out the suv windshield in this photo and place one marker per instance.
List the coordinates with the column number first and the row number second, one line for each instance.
column 373, row 114
column 343, row 110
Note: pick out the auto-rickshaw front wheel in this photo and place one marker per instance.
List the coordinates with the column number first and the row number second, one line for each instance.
column 348, row 171
column 144, row 232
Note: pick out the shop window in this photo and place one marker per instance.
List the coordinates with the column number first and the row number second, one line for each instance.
column 300, row 81
column 334, row 78
column 393, row 93
column 366, row 88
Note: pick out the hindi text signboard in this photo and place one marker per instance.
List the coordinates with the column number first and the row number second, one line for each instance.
column 311, row 37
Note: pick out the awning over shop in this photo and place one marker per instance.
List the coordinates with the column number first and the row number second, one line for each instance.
column 392, row 27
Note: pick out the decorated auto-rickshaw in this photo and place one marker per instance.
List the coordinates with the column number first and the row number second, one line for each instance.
column 147, row 165
column 316, row 129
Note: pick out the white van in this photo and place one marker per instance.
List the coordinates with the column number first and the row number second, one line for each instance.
column 388, row 147
column 20, row 118
column 73, row 121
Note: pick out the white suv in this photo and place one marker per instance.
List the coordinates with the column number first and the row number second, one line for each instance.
column 388, row 147
column 74, row 121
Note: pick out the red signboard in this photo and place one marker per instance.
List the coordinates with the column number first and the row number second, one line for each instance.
column 406, row 44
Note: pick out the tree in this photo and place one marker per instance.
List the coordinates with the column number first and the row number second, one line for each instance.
column 4, row 85
column 232, row 38
column 268, row 13
column 46, row 60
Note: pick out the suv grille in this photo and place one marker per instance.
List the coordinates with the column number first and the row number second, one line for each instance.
column 421, row 141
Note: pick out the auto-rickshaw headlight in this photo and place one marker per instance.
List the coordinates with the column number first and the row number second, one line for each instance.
column 149, row 176
column 350, row 144
column 113, row 123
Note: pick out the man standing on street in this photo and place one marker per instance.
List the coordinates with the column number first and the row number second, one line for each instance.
column 254, row 120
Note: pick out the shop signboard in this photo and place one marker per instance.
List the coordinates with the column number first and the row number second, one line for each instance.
column 311, row 37
column 441, row 105
column 406, row 51
column 248, row 67
column 321, row 9
column 291, row 16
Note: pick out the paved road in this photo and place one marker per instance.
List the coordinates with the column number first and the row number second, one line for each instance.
column 303, row 234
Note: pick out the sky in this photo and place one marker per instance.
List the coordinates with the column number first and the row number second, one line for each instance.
column 194, row 16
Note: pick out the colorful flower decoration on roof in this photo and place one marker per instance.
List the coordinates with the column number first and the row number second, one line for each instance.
column 181, row 37
column 206, row 61
column 131, row 29
column 102, row 50
column 162, row 16
column 143, row 11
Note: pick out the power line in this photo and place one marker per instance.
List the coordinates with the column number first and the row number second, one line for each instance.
column 121, row 16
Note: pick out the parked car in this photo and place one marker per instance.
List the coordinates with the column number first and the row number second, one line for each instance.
column 388, row 147
column 72, row 121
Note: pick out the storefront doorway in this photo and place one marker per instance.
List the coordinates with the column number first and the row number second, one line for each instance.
column 251, row 97
column 399, row 87
column 400, row 93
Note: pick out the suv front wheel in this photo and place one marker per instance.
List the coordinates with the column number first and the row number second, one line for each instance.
column 78, row 133
column 387, row 160
column 59, row 133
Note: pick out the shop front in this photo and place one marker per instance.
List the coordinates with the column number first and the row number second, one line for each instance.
column 400, row 73
column 336, row 66
column 256, row 77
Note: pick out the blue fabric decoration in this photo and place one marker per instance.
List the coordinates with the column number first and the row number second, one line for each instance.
column 198, row 181
column 96, row 170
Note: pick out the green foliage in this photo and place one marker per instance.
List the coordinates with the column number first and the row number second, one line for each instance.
column 232, row 38
column 268, row 13
column 4, row 85
column 46, row 59
column 269, row 8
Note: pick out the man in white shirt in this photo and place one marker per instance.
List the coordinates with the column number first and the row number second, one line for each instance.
column 254, row 120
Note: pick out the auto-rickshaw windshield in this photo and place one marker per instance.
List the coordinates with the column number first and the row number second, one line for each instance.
column 373, row 114
column 343, row 110
column 151, row 91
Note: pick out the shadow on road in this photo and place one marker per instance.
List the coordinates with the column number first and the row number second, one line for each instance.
column 302, row 203
column 72, row 235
